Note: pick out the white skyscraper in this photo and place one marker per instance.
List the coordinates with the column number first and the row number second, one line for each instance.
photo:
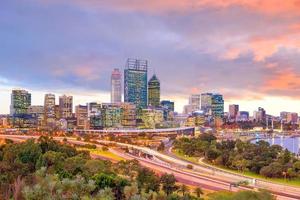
column 116, row 86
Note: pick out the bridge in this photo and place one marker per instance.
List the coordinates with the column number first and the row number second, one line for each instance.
column 130, row 132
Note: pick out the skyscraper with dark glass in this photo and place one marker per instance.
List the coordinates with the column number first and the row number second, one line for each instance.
column 217, row 105
column 154, row 91
column 135, row 82
column 20, row 101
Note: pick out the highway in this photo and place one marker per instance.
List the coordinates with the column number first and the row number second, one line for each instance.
column 199, row 176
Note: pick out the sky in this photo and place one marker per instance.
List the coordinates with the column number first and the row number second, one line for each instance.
column 249, row 51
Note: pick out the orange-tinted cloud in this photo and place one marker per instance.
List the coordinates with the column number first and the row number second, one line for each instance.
column 285, row 82
column 273, row 7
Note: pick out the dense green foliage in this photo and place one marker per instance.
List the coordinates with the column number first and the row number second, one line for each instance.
column 261, row 158
column 46, row 169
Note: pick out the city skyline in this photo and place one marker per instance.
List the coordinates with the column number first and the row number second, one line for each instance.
column 216, row 46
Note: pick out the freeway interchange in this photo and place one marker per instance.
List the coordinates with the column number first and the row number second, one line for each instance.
column 201, row 174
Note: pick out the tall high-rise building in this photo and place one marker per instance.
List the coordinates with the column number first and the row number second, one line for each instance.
column 233, row 111
column 111, row 115
column 20, row 101
column 206, row 102
column 154, row 91
column 95, row 115
column 65, row 106
column 49, row 107
column 135, row 82
column 260, row 115
column 116, row 86
column 81, row 113
column 217, row 106
column 168, row 108
column 194, row 100
column 128, row 115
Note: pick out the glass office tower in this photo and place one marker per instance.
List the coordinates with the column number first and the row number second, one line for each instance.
column 135, row 82
column 20, row 102
column 154, row 92
column 217, row 105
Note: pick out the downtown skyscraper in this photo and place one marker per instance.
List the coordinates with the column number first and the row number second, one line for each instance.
column 135, row 82
column 217, row 106
column 20, row 102
column 154, row 92
column 49, row 107
column 65, row 106
column 116, row 86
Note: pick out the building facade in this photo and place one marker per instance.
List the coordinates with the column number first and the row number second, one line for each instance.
column 195, row 100
column 49, row 110
column 95, row 116
column 217, row 106
column 128, row 115
column 65, row 106
column 81, row 113
column 111, row 115
column 168, row 109
column 233, row 111
column 116, row 86
column 206, row 102
column 154, row 92
column 20, row 102
column 135, row 82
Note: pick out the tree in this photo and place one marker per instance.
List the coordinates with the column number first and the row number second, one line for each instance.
column 274, row 170
column 168, row 183
column 130, row 191
column 148, row 180
column 207, row 137
column 198, row 191
column 183, row 189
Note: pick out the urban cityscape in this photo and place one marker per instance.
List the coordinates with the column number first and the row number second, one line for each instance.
column 142, row 108
column 149, row 100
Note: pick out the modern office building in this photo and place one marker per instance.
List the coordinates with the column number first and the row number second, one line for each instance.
column 189, row 109
column 65, row 106
column 111, row 115
column 283, row 116
column 135, row 82
column 95, row 116
column 168, row 109
column 116, row 86
column 154, row 92
column 49, row 110
column 243, row 116
column 81, row 113
column 206, row 102
column 292, row 118
column 128, row 115
column 260, row 115
column 37, row 112
column 151, row 118
column 194, row 100
column 233, row 111
column 217, row 106
column 20, row 102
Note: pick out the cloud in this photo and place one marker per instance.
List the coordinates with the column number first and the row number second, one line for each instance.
column 239, row 48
